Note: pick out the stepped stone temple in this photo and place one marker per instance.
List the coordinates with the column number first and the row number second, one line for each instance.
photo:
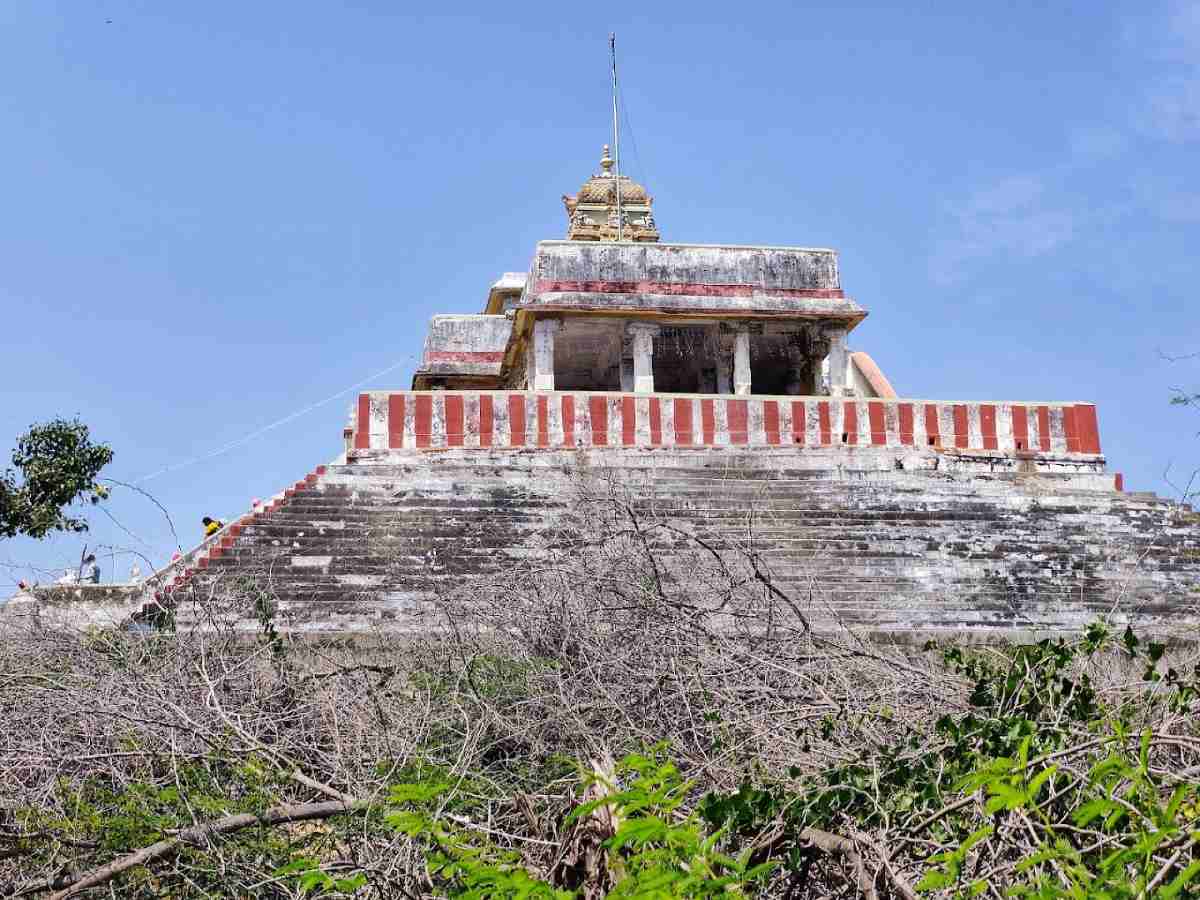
column 705, row 381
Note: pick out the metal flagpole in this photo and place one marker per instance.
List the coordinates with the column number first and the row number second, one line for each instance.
column 612, row 47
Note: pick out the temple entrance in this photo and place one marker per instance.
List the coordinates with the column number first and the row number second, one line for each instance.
column 783, row 363
column 587, row 355
column 685, row 360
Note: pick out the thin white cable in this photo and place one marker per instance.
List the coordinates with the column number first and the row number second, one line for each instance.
column 225, row 448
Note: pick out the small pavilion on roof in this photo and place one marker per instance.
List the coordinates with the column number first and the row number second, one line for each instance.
column 637, row 315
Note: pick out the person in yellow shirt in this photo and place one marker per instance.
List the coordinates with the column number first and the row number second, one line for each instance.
column 211, row 526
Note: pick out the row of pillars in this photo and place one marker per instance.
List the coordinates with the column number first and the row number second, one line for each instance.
column 637, row 359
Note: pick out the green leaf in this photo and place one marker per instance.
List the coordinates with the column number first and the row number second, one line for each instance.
column 1038, row 780
column 1091, row 810
column 1180, row 881
column 935, row 880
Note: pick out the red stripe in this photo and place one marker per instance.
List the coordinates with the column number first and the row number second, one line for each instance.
column 933, row 431
column 516, row 420
column 488, row 356
column 683, row 422
column 771, row 420
column 1089, row 428
column 987, row 425
column 568, row 419
column 878, row 429
column 395, row 420
column 677, row 289
column 655, row 422
column 735, row 413
column 628, row 421
column 543, row 421
column 1070, row 429
column 423, row 425
column 1020, row 422
column 454, row 419
column 708, row 421
column 798, row 422
column 598, row 411
column 849, row 422
column 1043, row 414
column 487, row 418
column 823, row 421
column 961, row 437
column 906, row 424
column 362, row 437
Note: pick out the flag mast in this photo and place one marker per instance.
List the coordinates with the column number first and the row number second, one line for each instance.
column 612, row 47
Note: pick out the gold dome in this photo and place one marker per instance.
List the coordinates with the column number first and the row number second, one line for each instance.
column 598, row 219
column 602, row 188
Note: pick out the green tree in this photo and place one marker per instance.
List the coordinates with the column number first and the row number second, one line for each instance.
column 56, row 466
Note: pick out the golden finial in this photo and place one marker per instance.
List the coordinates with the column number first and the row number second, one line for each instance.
column 606, row 162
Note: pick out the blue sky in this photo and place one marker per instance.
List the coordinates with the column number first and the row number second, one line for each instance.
column 216, row 215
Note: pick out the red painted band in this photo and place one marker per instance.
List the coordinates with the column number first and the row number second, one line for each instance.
column 771, row 421
column 362, row 437
column 1020, row 426
column 655, row 423
column 798, row 422
column 628, row 421
column 677, row 289
column 516, row 420
column 1089, row 428
column 933, row 430
column 598, row 412
column 987, row 426
column 454, row 419
column 849, row 422
column 878, row 429
column 962, row 438
column 906, row 424
column 823, row 421
column 708, row 422
column 683, row 422
column 423, row 419
column 568, row 419
column 487, row 420
column 735, row 413
column 543, row 421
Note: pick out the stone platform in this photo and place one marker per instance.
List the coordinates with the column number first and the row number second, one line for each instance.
column 907, row 518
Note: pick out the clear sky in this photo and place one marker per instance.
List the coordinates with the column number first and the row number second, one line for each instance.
column 214, row 215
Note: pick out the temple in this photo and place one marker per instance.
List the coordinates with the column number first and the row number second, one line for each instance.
column 644, row 317
column 715, row 387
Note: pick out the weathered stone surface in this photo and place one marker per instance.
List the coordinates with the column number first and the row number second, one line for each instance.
column 696, row 279
column 956, row 547
column 464, row 346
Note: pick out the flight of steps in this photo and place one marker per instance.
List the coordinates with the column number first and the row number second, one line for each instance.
column 363, row 544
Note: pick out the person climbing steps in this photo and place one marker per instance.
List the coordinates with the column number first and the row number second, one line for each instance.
column 211, row 526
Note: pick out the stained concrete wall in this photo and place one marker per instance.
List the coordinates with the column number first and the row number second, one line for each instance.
column 465, row 345
column 1031, row 433
column 692, row 278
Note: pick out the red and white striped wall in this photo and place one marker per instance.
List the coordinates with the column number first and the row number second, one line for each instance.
column 429, row 420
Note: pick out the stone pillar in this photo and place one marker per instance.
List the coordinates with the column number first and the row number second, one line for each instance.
column 741, row 362
column 627, row 362
column 542, row 376
column 724, row 355
column 643, row 334
column 838, row 361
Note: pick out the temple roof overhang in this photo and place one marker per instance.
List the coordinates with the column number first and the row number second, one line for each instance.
column 468, row 350
column 696, row 280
